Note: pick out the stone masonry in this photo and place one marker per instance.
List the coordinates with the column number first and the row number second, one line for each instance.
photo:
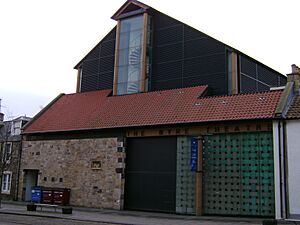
column 91, row 168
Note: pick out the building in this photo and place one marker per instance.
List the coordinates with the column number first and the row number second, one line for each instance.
column 162, row 53
column 11, row 145
column 286, row 152
column 165, row 118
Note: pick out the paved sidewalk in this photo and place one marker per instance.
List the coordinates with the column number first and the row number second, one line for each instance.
column 126, row 217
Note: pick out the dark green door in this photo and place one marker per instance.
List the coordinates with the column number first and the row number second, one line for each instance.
column 239, row 174
column 150, row 181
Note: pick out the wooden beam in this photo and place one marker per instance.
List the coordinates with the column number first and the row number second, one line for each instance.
column 115, row 85
column 199, row 178
column 144, row 53
column 234, row 73
column 205, row 129
column 78, row 85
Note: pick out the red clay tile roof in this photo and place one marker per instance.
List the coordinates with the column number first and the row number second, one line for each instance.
column 98, row 110
column 294, row 110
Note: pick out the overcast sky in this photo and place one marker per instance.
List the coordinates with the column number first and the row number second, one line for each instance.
column 42, row 40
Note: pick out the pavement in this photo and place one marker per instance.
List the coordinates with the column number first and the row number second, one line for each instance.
column 125, row 217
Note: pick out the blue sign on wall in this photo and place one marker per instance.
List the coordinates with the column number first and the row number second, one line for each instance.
column 194, row 154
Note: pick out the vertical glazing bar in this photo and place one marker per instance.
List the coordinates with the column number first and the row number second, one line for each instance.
column 79, row 77
column 115, row 91
column 234, row 74
column 144, row 53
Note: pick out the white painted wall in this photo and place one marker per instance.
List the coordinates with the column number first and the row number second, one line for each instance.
column 293, row 152
column 276, row 171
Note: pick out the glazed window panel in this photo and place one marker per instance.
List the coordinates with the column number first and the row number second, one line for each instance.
column 6, row 182
column 130, row 55
column 131, row 24
column 131, row 39
column 128, row 87
column 7, row 152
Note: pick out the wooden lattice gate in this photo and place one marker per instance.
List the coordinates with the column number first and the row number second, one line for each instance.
column 239, row 174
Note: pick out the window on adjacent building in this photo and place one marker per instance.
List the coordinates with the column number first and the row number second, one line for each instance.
column 7, row 152
column 6, row 182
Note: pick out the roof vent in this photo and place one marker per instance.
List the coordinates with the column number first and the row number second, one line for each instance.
column 277, row 88
column 262, row 98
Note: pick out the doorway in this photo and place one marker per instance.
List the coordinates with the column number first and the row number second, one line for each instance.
column 30, row 181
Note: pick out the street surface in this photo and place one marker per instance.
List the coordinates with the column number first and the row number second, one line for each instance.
column 7, row 219
column 15, row 213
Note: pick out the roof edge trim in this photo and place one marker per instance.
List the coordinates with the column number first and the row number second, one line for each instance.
column 125, row 5
column 285, row 100
column 42, row 112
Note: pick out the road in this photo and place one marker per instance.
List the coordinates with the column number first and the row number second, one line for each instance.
column 8, row 219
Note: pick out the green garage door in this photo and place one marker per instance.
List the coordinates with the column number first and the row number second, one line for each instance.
column 150, row 180
column 239, row 174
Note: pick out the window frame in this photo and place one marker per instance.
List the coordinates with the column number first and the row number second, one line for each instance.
column 145, row 28
column 6, row 180
column 7, row 154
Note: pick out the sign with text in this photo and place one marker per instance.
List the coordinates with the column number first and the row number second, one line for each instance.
column 194, row 154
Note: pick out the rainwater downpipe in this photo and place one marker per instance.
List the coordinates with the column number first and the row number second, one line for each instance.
column 280, row 172
column 19, row 167
column 285, row 170
column 282, row 169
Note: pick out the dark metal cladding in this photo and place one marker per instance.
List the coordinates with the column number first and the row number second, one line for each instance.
column 181, row 57
column 98, row 65
column 256, row 77
column 282, row 81
column 151, row 174
column 248, row 85
column 184, row 57
column 267, row 76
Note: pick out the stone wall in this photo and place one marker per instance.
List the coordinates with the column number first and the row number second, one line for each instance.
column 91, row 168
column 13, row 168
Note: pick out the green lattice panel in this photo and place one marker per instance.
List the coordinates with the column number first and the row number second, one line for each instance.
column 238, row 174
column 185, row 178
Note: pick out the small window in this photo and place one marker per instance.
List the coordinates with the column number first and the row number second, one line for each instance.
column 6, row 182
column 96, row 165
column 7, row 152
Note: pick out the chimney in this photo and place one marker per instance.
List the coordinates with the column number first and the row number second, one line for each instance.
column 295, row 77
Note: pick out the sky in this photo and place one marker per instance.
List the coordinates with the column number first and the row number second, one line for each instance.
column 42, row 40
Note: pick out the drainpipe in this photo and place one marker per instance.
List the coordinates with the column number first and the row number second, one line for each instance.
column 285, row 171
column 19, row 167
column 280, row 171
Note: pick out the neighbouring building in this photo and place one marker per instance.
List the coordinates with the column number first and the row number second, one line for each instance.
column 165, row 118
column 286, row 152
column 11, row 146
